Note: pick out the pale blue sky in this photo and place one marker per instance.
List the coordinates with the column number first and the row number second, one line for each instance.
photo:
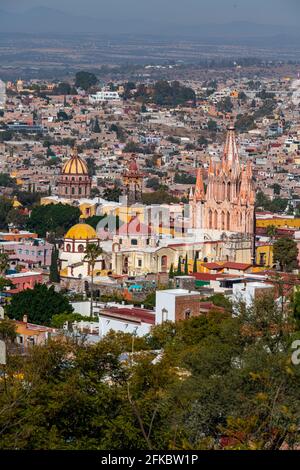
column 177, row 11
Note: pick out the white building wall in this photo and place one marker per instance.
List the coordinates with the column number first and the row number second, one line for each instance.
column 107, row 323
column 165, row 300
column 247, row 292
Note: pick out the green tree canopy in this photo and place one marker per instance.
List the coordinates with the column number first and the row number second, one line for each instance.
column 85, row 80
column 53, row 218
column 39, row 304
column 285, row 252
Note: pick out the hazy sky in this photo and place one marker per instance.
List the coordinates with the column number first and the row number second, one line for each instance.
column 177, row 11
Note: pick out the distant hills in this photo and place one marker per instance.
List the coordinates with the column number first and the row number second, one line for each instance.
column 48, row 20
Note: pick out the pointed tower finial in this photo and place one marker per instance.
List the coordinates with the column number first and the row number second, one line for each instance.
column 199, row 190
column 191, row 195
column 230, row 158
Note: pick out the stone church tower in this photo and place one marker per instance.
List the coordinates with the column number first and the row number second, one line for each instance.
column 228, row 203
column 133, row 182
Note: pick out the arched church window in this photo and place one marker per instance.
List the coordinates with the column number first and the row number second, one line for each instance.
column 79, row 190
column 210, row 221
column 73, row 191
column 164, row 262
column 216, row 220
column 68, row 247
column 223, row 221
column 229, row 191
column 223, row 190
column 66, row 190
column 80, row 249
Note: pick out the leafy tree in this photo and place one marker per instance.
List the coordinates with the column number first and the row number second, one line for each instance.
column 85, row 80
column 132, row 147
column 93, row 252
column 277, row 189
column 16, row 218
column 153, row 183
column 6, row 181
column 112, row 194
column 4, row 283
column 4, row 263
column 212, row 126
column 242, row 96
column 186, row 265
column 195, row 265
column 184, row 178
column 276, row 205
column 91, row 166
column 179, row 272
column 64, row 88
column 202, row 140
column 164, row 93
column 7, row 330
column 59, row 320
column 39, row 304
column 220, row 382
column 96, row 127
column 244, row 122
column 54, row 272
column 5, row 208
column 28, row 199
column 219, row 300
column 63, row 116
column 159, row 197
column 285, row 252
column 225, row 105
column 271, row 231
column 171, row 272
column 53, row 218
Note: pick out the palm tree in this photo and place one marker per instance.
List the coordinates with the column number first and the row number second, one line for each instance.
column 92, row 254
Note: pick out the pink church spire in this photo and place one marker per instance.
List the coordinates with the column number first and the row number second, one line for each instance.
column 230, row 158
column 199, row 190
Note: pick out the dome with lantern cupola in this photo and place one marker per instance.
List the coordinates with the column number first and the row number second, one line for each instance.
column 74, row 181
column 75, row 166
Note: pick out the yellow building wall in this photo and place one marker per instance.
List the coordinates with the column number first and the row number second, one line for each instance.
column 266, row 250
column 279, row 223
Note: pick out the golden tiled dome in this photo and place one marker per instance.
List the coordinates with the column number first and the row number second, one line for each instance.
column 75, row 166
column 81, row 232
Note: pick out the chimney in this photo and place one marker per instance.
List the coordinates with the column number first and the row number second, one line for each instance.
column 25, row 319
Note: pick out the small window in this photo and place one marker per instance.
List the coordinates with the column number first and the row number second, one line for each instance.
column 134, row 242
column 140, row 263
column 187, row 314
